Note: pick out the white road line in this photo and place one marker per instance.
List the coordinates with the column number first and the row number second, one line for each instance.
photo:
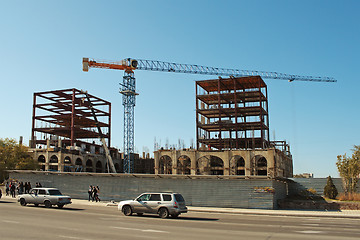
column 141, row 230
column 310, row 232
column 9, row 221
column 71, row 237
column 311, row 224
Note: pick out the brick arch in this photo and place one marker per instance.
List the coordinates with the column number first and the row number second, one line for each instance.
column 210, row 165
column 89, row 166
column 237, row 165
column 41, row 159
column 259, row 165
column 183, row 165
column 165, row 164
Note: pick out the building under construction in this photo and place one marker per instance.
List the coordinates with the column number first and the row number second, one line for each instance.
column 65, row 136
column 232, row 122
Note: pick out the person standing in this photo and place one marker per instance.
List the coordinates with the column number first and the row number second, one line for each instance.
column 90, row 192
column 12, row 189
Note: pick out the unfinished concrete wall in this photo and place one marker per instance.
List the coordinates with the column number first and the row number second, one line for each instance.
column 266, row 162
column 210, row 191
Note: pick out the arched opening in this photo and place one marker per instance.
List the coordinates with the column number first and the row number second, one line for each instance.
column 99, row 167
column 165, row 165
column 216, row 166
column 237, row 166
column 67, row 160
column 261, row 166
column 209, row 165
column 184, row 165
column 78, row 165
column 41, row 159
column 89, row 166
column 67, row 164
column 54, row 159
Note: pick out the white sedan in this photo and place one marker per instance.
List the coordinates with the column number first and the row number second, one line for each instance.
column 46, row 196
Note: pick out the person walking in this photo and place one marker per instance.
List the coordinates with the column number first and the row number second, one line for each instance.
column 7, row 188
column 94, row 194
column 90, row 192
column 97, row 194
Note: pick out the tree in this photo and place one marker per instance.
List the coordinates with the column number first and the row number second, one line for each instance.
column 330, row 190
column 14, row 156
column 349, row 169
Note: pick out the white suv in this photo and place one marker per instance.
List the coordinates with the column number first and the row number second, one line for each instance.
column 164, row 204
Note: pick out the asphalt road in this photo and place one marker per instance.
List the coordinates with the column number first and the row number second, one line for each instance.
column 86, row 222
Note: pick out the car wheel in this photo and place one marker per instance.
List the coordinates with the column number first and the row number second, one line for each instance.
column 127, row 210
column 174, row 215
column 60, row 205
column 22, row 202
column 36, row 205
column 47, row 204
column 163, row 212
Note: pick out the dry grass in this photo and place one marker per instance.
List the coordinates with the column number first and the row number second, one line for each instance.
column 349, row 197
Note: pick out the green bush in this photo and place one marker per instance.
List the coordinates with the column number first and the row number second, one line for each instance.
column 330, row 190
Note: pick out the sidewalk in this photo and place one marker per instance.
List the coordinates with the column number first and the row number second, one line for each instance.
column 295, row 213
column 298, row 213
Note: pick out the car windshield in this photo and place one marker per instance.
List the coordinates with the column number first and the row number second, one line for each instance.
column 179, row 198
column 54, row 192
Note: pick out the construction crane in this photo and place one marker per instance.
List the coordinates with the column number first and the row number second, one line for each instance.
column 110, row 163
column 128, row 89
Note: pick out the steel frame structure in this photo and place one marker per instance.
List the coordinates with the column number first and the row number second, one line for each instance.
column 66, row 114
column 232, row 113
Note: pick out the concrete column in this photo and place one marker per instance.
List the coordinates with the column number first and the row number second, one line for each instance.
column 156, row 162
column 247, row 159
column 47, row 160
column 226, row 161
column 193, row 159
column 60, row 162
column 174, row 156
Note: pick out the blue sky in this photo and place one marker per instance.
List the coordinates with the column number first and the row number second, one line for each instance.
column 43, row 42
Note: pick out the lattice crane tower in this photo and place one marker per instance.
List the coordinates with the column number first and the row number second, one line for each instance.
column 128, row 87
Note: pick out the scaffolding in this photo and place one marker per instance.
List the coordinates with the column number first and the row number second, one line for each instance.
column 232, row 113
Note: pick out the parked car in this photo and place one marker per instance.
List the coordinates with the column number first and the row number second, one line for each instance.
column 164, row 204
column 46, row 196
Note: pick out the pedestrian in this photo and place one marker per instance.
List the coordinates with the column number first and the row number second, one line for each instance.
column 97, row 194
column 12, row 189
column 40, row 184
column 21, row 188
column 94, row 193
column 90, row 192
column 7, row 188
column 29, row 187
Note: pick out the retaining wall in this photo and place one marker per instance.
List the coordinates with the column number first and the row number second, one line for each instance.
column 205, row 191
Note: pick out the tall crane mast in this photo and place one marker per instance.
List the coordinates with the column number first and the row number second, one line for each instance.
column 128, row 89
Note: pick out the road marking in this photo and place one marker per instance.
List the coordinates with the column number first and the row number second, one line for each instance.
column 142, row 230
column 311, row 224
column 310, row 232
column 9, row 221
column 71, row 237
